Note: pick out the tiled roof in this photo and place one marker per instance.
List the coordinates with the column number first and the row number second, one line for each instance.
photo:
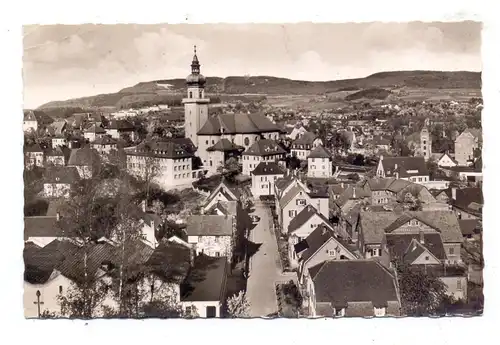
column 469, row 226
column 223, row 187
column 399, row 246
column 95, row 129
column 268, row 168
column 121, row 125
column 404, row 166
column 373, row 225
column 170, row 261
column 83, row 157
column 39, row 264
column 285, row 199
column 305, row 139
column 224, row 145
column 316, row 240
column 342, row 281
column 264, row 147
column 55, row 206
column 43, row 226
column 164, row 149
column 237, row 123
column 469, row 199
column 206, row 281
column 33, row 148
column 104, row 140
column 209, row 225
column 303, row 216
column 319, row 152
column 283, row 182
column 61, row 174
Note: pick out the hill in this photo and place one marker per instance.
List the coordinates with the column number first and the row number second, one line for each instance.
column 171, row 91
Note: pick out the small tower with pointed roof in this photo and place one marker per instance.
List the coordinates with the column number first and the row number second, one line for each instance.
column 195, row 104
column 425, row 141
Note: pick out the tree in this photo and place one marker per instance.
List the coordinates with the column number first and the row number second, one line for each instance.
column 83, row 300
column 238, row 305
column 421, row 294
column 230, row 169
column 150, row 170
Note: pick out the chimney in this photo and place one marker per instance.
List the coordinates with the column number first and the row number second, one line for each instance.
column 143, row 205
column 454, row 193
column 422, row 240
column 58, row 216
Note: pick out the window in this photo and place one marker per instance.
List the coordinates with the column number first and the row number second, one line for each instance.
column 201, row 94
column 190, row 94
column 301, row 202
column 216, row 239
column 211, row 312
column 452, row 251
column 379, row 311
column 331, row 252
column 217, row 254
column 459, row 284
column 199, row 238
column 246, row 141
column 188, row 310
column 424, row 143
column 206, row 142
column 60, row 289
column 291, row 213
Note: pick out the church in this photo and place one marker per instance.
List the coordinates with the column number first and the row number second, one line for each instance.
column 221, row 136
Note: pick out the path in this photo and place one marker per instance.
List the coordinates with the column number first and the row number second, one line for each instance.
column 265, row 267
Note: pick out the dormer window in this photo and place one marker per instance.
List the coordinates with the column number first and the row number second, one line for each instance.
column 190, row 94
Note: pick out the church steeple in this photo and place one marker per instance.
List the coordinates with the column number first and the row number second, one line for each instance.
column 195, row 64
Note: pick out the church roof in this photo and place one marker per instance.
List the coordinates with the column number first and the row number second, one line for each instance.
column 238, row 124
column 225, row 145
column 264, row 147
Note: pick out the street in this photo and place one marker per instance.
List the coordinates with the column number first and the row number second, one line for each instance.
column 265, row 269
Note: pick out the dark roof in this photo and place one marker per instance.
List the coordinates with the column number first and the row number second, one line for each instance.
column 292, row 192
column 43, row 226
column 469, row 226
column 104, row 140
column 55, row 206
column 306, row 138
column 319, row 152
column 400, row 247
column 170, row 261
column 404, row 166
column 229, row 192
column 469, row 199
column 303, row 216
column 209, row 225
column 33, row 148
column 61, row 174
column 206, row 281
column 121, row 125
column 95, row 129
column 264, row 147
column 75, row 266
column 163, row 149
column 39, row 264
column 237, row 123
column 224, row 145
column 316, row 240
column 341, row 281
column 268, row 168
column 83, row 156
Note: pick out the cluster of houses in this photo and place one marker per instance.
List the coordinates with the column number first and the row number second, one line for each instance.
column 189, row 270
column 346, row 241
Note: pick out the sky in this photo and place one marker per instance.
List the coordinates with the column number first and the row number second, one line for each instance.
column 69, row 61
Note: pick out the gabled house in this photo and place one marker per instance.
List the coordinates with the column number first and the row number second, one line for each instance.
column 297, row 197
column 301, row 226
column 446, row 161
column 338, row 288
column 413, row 169
column 220, row 152
column 319, row 163
column 465, row 144
column 467, row 203
column 94, row 132
column 33, row 156
column 83, row 159
column 373, row 226
column 30, row 122
column 205, row 287
column 304, row 144
column 41, row 230
column 296, row 131
column 212, row 235
column 119, row 129
column 223, row 192
column 57, row 156
column 104, row 145
column 57, row 129
column 59, row 180
column 263, row 150
column 321, row 245
column 264, row 177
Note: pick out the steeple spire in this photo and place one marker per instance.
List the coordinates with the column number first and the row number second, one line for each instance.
column 195, row 64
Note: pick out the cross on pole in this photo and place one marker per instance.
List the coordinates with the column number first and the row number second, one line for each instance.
column 37, row 302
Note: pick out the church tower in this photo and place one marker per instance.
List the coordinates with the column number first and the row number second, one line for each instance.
column 425, row 142
column 195, row 105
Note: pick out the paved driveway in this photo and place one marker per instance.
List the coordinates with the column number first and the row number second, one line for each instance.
column 265, row 267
